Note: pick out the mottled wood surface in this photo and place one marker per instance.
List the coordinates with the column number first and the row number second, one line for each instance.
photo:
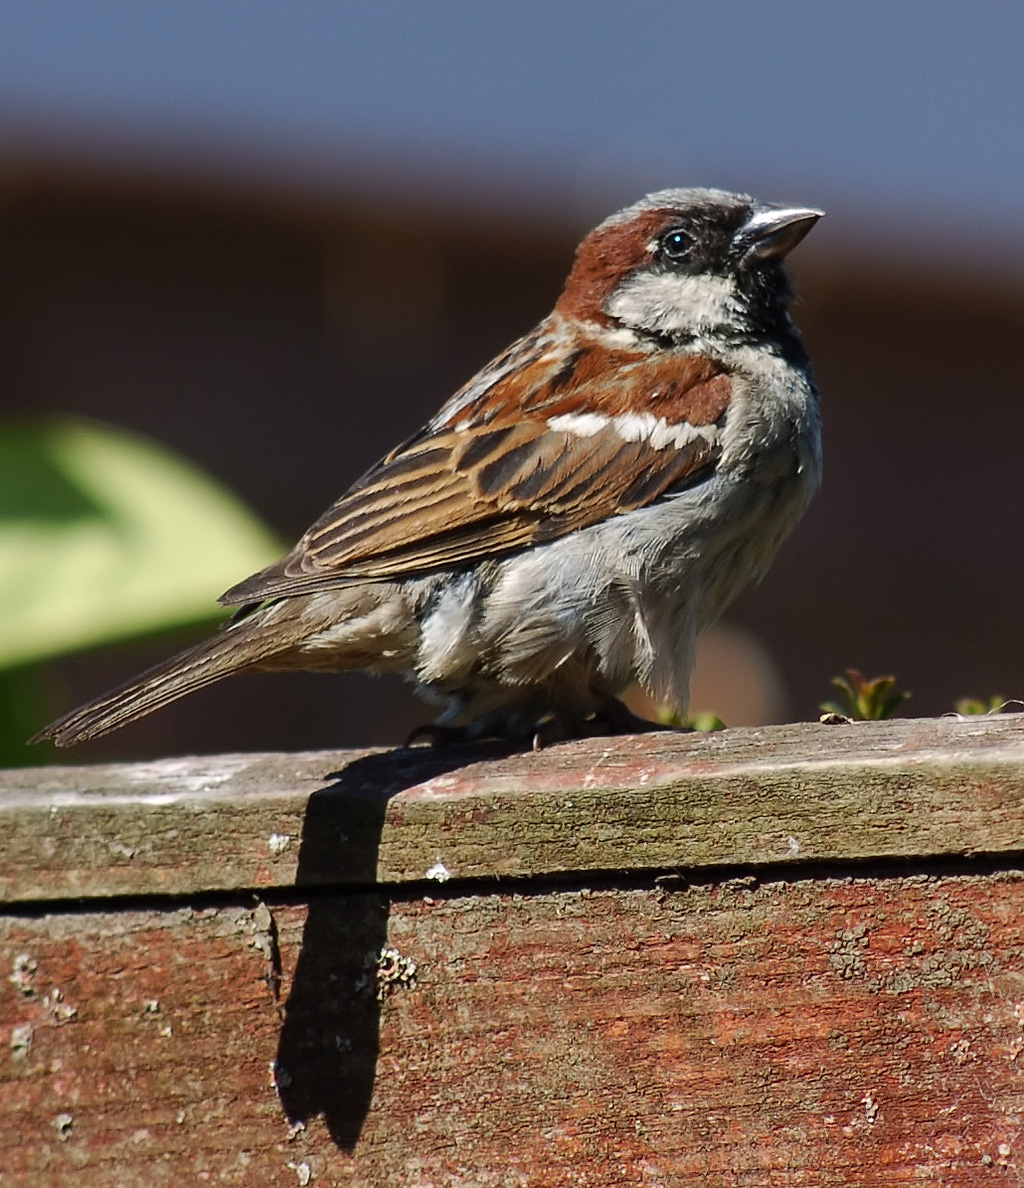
column 785, row 794
column 861, row 1032
column 858, row 1021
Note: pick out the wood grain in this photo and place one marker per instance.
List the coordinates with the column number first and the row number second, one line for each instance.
column 833, row 1032
column 658, row 961
column 778, row 795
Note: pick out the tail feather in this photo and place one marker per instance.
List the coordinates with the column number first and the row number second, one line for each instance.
column 244, row 644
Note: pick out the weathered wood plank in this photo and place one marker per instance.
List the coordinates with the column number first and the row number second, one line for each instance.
column 826, row 1032
column 822, row 1031
column 770, row 796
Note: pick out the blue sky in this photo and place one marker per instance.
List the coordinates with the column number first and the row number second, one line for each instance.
column 915, row 108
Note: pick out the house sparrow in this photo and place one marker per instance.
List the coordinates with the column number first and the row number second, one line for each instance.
column 574, row 516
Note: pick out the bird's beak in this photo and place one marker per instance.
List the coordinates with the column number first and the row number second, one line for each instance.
column 772, row 232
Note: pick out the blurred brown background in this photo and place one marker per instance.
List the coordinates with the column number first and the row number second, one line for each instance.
column 278, row 252
column 284, row 344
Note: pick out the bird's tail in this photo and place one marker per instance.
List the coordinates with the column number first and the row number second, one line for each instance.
column 243, row 644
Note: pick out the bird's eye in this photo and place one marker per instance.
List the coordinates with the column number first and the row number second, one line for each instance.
column 676, row 244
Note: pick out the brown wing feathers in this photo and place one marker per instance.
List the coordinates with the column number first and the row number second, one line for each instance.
column 489, row 480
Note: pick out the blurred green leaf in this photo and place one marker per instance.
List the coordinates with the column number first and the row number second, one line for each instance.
column 105, row 535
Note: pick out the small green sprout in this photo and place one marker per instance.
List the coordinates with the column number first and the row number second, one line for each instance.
column 969, row 706
column 668, row 716
column 706, row 721
column 866, row 700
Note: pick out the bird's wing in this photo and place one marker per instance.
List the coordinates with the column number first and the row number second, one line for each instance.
column 509, row 468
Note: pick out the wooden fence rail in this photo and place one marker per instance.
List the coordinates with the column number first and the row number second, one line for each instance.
column 787, row 956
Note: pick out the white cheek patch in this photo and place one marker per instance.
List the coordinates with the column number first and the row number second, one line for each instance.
column 667, row 303
column 655, row 431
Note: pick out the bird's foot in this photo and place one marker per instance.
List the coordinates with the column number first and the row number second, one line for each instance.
column 611, row 718
column 615, row 717
column 436, row 737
